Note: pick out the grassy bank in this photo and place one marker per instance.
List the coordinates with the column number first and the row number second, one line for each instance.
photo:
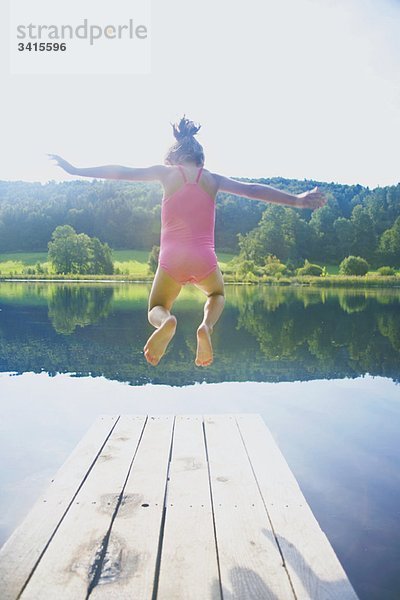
column 131, row 265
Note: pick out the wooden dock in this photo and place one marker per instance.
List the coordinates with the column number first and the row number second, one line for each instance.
column 164, row 507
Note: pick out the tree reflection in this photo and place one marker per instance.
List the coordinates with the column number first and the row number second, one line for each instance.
column 324, row 330
column 72, row 306
column 352, row 303
column 265, row 333
column 389, row 326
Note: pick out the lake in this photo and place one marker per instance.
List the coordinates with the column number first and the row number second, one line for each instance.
column 322, row 367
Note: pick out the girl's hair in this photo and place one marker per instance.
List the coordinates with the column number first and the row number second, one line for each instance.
column 186, row 148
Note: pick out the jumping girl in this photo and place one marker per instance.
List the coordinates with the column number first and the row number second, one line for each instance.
column 187, row 252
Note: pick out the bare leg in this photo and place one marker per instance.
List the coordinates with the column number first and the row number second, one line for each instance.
column 162, row 296
column 213, row 286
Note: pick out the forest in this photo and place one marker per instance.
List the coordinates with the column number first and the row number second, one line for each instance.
column 356, row 220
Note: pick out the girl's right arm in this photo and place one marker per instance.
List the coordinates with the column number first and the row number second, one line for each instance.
column 259, row 191
column 153, row 173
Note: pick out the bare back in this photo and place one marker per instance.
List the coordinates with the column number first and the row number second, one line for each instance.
column 172, row 180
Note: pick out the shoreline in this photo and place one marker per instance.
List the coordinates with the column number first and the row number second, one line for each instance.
column 341, row 281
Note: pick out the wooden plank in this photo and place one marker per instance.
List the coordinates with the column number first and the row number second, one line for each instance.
column 21, row 552
column 98, row 530
column 313, row 566
column 130, row 563
column 249, row 558
column 68, row 566
column 189, row 567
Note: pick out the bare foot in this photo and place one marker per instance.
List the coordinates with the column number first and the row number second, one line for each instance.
column 204, row 356
column 157, row 343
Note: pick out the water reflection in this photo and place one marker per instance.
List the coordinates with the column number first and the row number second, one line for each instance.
column 76, row 306
column 265, row 333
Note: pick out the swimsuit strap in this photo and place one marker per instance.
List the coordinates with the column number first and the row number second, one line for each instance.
column 199, row 174
column 183, row 173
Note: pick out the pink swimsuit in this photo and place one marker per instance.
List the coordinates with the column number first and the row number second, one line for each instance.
column 187, row 233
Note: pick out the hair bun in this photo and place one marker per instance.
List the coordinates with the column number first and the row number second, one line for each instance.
column 184, row 129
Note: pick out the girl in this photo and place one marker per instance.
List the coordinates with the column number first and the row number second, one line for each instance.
column 187, row 232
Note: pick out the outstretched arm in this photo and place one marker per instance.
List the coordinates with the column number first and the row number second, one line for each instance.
column 258, row 191
column 113, row 171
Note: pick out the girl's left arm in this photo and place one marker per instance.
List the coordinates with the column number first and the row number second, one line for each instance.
column 258, row 191
column 153, row 173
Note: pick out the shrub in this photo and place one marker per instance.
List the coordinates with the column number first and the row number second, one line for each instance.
column 251, row 277
column 384, row 271
column 310, row 269
column 273, row 266
column 353, row 265
column 39, row 269
column 244, row 267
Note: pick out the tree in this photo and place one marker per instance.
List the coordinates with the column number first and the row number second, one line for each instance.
column 322, row 222
column 100, row 257
column 153, row 259
column 353, row 265
column 364, row 238
column 389, row 245
column 127, row 215
column 344, row 233
column 66, row 252
column 277, row 233
column 73, row 253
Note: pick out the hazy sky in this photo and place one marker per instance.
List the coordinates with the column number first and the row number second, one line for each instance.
column 306, row 89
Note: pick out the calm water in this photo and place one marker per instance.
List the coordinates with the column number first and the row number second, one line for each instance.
column 322, row 367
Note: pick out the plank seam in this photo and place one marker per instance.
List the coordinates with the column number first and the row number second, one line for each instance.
column 163, row 519
column 67, row 509
column 212, row 509
column 266, row 510
column 97, row 566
